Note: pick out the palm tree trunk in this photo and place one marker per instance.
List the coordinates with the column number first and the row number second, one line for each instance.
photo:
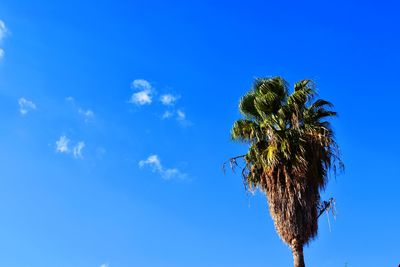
column 298, row 256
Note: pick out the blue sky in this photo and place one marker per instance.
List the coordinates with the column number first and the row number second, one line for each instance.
column 115, row 120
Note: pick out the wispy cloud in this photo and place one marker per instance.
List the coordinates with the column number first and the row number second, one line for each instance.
column 3, row 33
column 181, row 118
column 141, row 84
column 154, row 163
column 78, row 150
column 3, row 30
column 63, row 147
column 167, row 114
column 145, row 92
column 168, row 99
column 62, row 144
column 141, row 98
column 25, row 106
column 179, row 115
column 87, row 114
column 104, row 265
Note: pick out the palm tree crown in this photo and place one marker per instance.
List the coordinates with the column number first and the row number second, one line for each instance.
column 292, row 149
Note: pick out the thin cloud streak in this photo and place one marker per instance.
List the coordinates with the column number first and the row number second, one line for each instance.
column 87, row 114
column 3, row 33
column 3, row 30
column 25, row 106
column 181, row 115
column 78, row 150
column 154, row 163
column 167, row 114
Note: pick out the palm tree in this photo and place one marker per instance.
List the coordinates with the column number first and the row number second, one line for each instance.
column 291, row 152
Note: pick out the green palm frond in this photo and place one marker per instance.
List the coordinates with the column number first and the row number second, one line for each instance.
column 320, row 103
column 246, row 106
column 293, row 125
column 245, row 130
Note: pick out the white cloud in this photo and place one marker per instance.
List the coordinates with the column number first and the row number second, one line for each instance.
column 154, row 163
column 144, row 96
column 141, row 84
column 104, row 265
column 87, row 114
column 25, row 105
column 62, row 144
column 172, row 173
column 145, row 92
column 3, row 30
column 167, row 114
column 77, row 151
column 180, row 115
column 141, row 98
column 181, row 118
column 168, row 99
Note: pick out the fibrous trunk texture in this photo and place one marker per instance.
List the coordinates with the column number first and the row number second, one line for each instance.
column 298, row 257
column 293, row 204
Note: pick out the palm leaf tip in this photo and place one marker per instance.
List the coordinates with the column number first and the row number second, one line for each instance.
column 246, row 105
